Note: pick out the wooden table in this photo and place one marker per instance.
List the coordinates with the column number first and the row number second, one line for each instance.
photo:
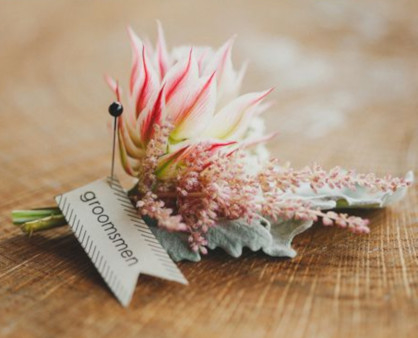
column 346, row 78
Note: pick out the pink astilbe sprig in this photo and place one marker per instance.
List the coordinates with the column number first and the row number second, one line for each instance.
column 276, row 208
column 151, row 206
column 155, row 149
column 214, row 185
column 339, row 178
column 285, row 178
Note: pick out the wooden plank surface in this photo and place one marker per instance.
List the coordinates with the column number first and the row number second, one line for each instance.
column 346, row 78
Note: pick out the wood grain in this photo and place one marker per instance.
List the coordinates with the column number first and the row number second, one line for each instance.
column 346, row 78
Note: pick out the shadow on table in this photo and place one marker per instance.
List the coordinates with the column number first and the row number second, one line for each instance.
column 57, row 251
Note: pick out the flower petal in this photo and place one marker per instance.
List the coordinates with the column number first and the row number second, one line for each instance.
column 167, row 164
column 254, row 142
column 130, row 124
column 191, row 109
column 151, row 117
column 114, row 86
column 182, row 74
column 134, row 151
column 228, row 80
column 144, row 80
column 233, row 119
column 124, row 157
column 163, row 59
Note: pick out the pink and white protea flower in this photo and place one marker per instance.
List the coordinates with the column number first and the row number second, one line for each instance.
column 193, row 91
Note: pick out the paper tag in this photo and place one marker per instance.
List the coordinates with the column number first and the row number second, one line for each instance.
column 115, row 237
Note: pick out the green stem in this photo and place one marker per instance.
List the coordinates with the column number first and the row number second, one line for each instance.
column 39, row 219
column 43, row 224
column 23, row 216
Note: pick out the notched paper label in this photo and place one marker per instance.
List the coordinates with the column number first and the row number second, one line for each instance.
column 115, row 237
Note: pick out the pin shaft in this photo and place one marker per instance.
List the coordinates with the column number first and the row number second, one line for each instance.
column 115, row 109
column 112, row 170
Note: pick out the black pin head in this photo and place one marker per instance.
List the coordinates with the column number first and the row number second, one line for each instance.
column 116, row 109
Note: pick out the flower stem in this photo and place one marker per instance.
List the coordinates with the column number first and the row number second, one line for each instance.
column 173, row 194
column 43, row 224
column 40, row 219
column 23, row 216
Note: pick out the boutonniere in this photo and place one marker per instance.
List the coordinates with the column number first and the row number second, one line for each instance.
column 196, row 147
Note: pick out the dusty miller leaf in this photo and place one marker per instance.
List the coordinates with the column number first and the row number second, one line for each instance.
column 361, row 198
column 175, row 243
column 233, row 236
column 282, row 233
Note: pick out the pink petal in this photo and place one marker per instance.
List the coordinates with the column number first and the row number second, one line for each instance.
column 134, row 73
column 215, row 146
column 127, row 120
column 162, row 54
column 133, row 151
column 262, row 107
column 263, row 139
column 114, row 86
column 124, row 157
column 136, row 42
column 181, row 75
column 167, row 164
column 192, row 108
column 130, row 125
column 233, row 119
column 202, row 55
column 144, row 80
column 152, row 117
column 221, row 61
column 229, row 81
